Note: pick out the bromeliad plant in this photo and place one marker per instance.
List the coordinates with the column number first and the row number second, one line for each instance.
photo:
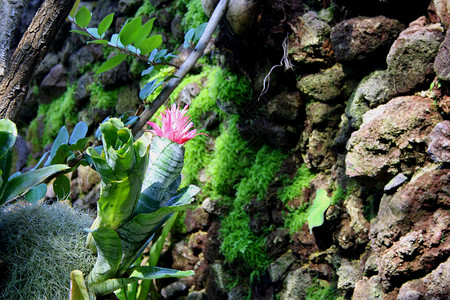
column 140, row 181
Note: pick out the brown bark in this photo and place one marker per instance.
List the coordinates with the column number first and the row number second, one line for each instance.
column 29, row 53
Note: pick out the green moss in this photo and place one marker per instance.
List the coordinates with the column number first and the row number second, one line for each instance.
column 321, row 290
column 193, row 14
column 195, row 159
column 41, row 245
column 146, row 9
column 101, row 98
column 51, row 117
column 229, row 87
column 238, row 240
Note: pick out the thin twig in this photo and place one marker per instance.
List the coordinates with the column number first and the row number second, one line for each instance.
column 184, row 68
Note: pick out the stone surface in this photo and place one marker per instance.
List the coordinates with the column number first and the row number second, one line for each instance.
column 53, row 85
column 439, row 12
column 433, row 286
column 284, row 108
column 197, row 219
column 86, row 179
column 183, row 258
column 129, row 7
column 410, row 59
column 81, row 91
column 349, row 273
column 327, row 85
column 82, row 58
column 295, row 285
column 442, row 63
column 368, row 289
column 128, row 99
column 408, row 234
column 395, row 182
column 319, row 156
column 174, row 290
column 117, row 76
column 280, row 266
column 391, row 139
column 375, row 89
column 363, row 38
column 277, row 242
column 439, row 142
column 49, row 61
column 354, row 232
column 310, row 43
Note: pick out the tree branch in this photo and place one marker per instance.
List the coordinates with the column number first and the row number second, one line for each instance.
column 219, row 11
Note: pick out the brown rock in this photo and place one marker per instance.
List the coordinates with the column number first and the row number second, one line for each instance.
column 183, row 257
column 439, row 12
column 368, row 289
column 442, row 63
column 391, row 139
column 197, row 219
column 439, row 142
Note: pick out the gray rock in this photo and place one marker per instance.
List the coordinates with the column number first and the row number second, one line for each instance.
column 295, row 285
column 349, row 273
column 368, row 289
column 221, row 278
column 375, row 89
column 363, row 38
column 128, row 99
column 439, row 142
column 81, row 91
column 439, row 12
column 395, row 183
column 442, row 63
column 319, row 155
column 129, row 7
column 49, row 61
column 174, row 290
column 53, row 85
column 433, row 286
column 197, row 295
column 84, row 57
column 386, row 143
column 284, row 107
column 326, row 86
column 410, row 59
column 237, row 293
column 310, row 43
column 280, row 266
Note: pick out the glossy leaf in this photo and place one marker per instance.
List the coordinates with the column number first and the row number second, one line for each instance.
column 61, row 139
column 160, row 54
column 23, row 182
column 61, row 187
column 78, row 290
column 144, row 31
column 130, row 31
column 318, row 208
column 149, row 88
column 147, row 71
column 8, row 135
column 74, row 8
column 150, row 44
column 101, row 42
column 93, row 32
column 109, row 253
column 83, row 17
column 78, row 132
column 105, row 24
column 36, row 193
column 61, row 155
column 111, row 63
column 188, row 38
column 198, row 32
column 80, row 32
column 79, row 145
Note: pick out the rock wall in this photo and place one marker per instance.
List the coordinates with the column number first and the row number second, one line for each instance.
column 359, row 106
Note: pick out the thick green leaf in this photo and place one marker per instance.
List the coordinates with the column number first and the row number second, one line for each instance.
column 74, row 8
column 199, row 32
column 8, row 135
column 317, row 210
column 24, row 182
column 109, row 286
column 61, row 155
column 149, row 88
column 150, row 44
column 5, row 167
column 105, row 24
column 144, row 31
column 101, row 42
column 61, row 139
column 80, row 32
column 78, row 290
column 36, row 193
column 83, row 17
column 79, row 145
column 111, row 63
column 109, row 252
column 61, row 187
column 188, row 38
column 78, row 132
column 151, row 273
column 93, row 32
column 130, row 31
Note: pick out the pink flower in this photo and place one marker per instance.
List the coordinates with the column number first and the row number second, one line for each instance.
column 175, row 126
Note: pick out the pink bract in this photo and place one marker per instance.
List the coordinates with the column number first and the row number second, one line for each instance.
column 175, row 126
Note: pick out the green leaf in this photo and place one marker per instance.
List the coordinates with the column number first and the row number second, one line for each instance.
column 150, row 44
column 83, row 17
column 61, row 155
column 111, row 63
column 61, row 139
column 74, row 8
column 101, row 42
column 109, row 286
column 109, row 253
column 199, row 32
column 8, row 135
column 24, row 182
column 149, row 88
column 144, row 31
column 317, row 210
column 79, row 145
column 80, row 32
column 78, row 132
column 78, row 290
column 188, row 38
column 105, row 24
column 36, row 193
column 130, row 31
column 61, row 187
column 93, row 32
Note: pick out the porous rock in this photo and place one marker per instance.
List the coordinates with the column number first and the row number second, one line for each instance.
column 295, row 285
column 310, row 43
column 442, row 63
column 439, row 142
column 284, row 107
column 53, row 85
column 407, row 234
column 280, row 266
column 349, row 273
column 361, row 38
column 391, row 139
column 411, row 57
column 368, row 289
column 439, row 12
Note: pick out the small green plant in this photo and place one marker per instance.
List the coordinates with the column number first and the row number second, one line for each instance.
column 318, row 208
